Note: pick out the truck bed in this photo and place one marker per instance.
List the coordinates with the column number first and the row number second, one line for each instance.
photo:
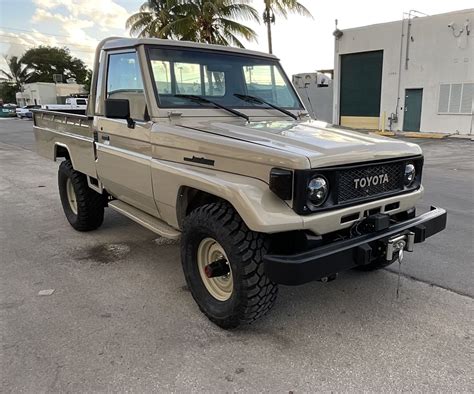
column 57, row 132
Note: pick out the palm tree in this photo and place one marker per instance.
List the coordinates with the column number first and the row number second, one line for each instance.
column 17, row 72
column 209, row 21
column 281, row 7
column 214, row 21
column 153, row 19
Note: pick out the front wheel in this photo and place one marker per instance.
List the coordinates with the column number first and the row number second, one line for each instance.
column 83, row 207
column 223, row 267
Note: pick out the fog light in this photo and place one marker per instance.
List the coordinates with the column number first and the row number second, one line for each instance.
column 410, row 174
column 318, row 189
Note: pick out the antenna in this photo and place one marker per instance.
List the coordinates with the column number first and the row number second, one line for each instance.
column 337, row 33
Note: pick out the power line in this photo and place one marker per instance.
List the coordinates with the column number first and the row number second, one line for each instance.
column 33, row 31
column 89, row 50
column 22, row 44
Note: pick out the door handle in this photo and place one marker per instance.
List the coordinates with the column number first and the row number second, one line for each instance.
column 105, row 137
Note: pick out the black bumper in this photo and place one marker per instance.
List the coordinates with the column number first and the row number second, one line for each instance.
column 343, row 255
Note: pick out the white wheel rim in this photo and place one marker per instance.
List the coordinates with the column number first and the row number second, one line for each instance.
column 220, row 287
column 71, row 196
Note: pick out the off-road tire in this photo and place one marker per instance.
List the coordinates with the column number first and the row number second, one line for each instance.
column 90, row 204
column 253, row 294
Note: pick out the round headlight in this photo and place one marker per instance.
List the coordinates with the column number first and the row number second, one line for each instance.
column 409, row 174
column 318, row 189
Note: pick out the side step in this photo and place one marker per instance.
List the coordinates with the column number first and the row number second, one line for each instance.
column 150, row 222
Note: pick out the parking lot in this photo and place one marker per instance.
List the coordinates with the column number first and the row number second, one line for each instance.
column 122, row 319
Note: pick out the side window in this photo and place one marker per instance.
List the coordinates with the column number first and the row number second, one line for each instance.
column 124, row 81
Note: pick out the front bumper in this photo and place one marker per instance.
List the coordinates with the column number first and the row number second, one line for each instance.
column 339, row 256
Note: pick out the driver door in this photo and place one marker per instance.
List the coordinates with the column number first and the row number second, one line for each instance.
column 123, row 152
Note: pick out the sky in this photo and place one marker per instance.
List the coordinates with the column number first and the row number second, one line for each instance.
column 303, row 44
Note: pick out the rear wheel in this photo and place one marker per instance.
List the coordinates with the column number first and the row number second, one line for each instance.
column 222, row 264
column 83, row 207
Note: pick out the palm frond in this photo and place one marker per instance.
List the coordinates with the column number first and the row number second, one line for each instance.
column 283, row 7
column 236, row 28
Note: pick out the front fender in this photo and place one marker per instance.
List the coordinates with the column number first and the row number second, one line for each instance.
column 260, row 208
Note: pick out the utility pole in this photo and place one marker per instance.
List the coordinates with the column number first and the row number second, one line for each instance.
column 268, row 19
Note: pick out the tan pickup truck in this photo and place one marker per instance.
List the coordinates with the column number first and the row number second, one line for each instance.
column 213, row 145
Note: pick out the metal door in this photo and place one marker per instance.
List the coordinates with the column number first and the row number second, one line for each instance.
column 412, row 114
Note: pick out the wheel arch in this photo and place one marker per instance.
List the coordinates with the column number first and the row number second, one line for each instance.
column 190, row 198
column 62, row 151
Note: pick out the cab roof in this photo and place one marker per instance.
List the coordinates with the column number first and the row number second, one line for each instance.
column 123, row 42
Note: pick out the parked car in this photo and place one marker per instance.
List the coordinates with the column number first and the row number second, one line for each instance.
column 212, row 145
column 7, row 111
column 24, row 112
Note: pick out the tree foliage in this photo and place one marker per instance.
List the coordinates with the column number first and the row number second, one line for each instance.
column 8, row 92
column 88, row 80
column 281, row 7
column 16, row 72
column 45, row 61
column 209, row 21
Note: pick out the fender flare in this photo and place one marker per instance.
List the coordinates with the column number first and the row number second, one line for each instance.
column 257, row 205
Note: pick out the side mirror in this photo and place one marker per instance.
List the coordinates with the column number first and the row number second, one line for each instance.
column 119, row 109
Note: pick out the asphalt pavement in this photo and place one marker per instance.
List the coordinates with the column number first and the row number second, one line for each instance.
column 121, row 318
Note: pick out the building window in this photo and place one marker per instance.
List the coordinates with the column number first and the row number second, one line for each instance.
column 455, row 98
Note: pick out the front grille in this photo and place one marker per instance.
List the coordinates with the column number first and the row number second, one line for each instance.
column 364, row 182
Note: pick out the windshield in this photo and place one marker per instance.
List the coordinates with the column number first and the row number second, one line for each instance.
column 218, row 76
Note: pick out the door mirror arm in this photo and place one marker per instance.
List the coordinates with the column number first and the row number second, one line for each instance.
column 130, row 123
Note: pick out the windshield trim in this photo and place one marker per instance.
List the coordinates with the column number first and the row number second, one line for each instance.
column 275, row 61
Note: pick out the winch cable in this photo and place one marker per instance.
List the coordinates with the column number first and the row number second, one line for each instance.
column 400, row 258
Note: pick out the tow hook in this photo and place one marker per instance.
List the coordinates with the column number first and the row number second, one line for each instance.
column 329, row 278
column 217, row 268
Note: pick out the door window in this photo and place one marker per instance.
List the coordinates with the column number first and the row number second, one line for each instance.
column 124, row 81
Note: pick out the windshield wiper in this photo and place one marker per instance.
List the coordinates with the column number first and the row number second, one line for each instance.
column 258, row 100
column 201, row 99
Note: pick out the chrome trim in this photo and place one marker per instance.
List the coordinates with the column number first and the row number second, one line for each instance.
column 105, row 147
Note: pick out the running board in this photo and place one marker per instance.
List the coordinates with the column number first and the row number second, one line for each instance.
column 146, row 220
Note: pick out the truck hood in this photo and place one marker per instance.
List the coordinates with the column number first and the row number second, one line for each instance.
column 322, row 143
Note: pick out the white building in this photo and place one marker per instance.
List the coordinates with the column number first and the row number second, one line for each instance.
column 40, row 93
column 315, row 89
column 411, row 75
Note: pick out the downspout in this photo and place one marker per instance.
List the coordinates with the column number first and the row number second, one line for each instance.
column 407, row 49
column 399, row 74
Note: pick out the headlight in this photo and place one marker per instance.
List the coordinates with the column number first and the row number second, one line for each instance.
column 409, row 174
column 318, row 190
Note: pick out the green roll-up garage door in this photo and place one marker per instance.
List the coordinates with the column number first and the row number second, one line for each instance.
column 361, row 84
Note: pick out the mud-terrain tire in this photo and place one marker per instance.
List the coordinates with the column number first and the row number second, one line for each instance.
column 220, row 229
column 83, row 207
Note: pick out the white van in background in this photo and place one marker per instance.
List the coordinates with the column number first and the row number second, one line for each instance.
column 75, row 105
